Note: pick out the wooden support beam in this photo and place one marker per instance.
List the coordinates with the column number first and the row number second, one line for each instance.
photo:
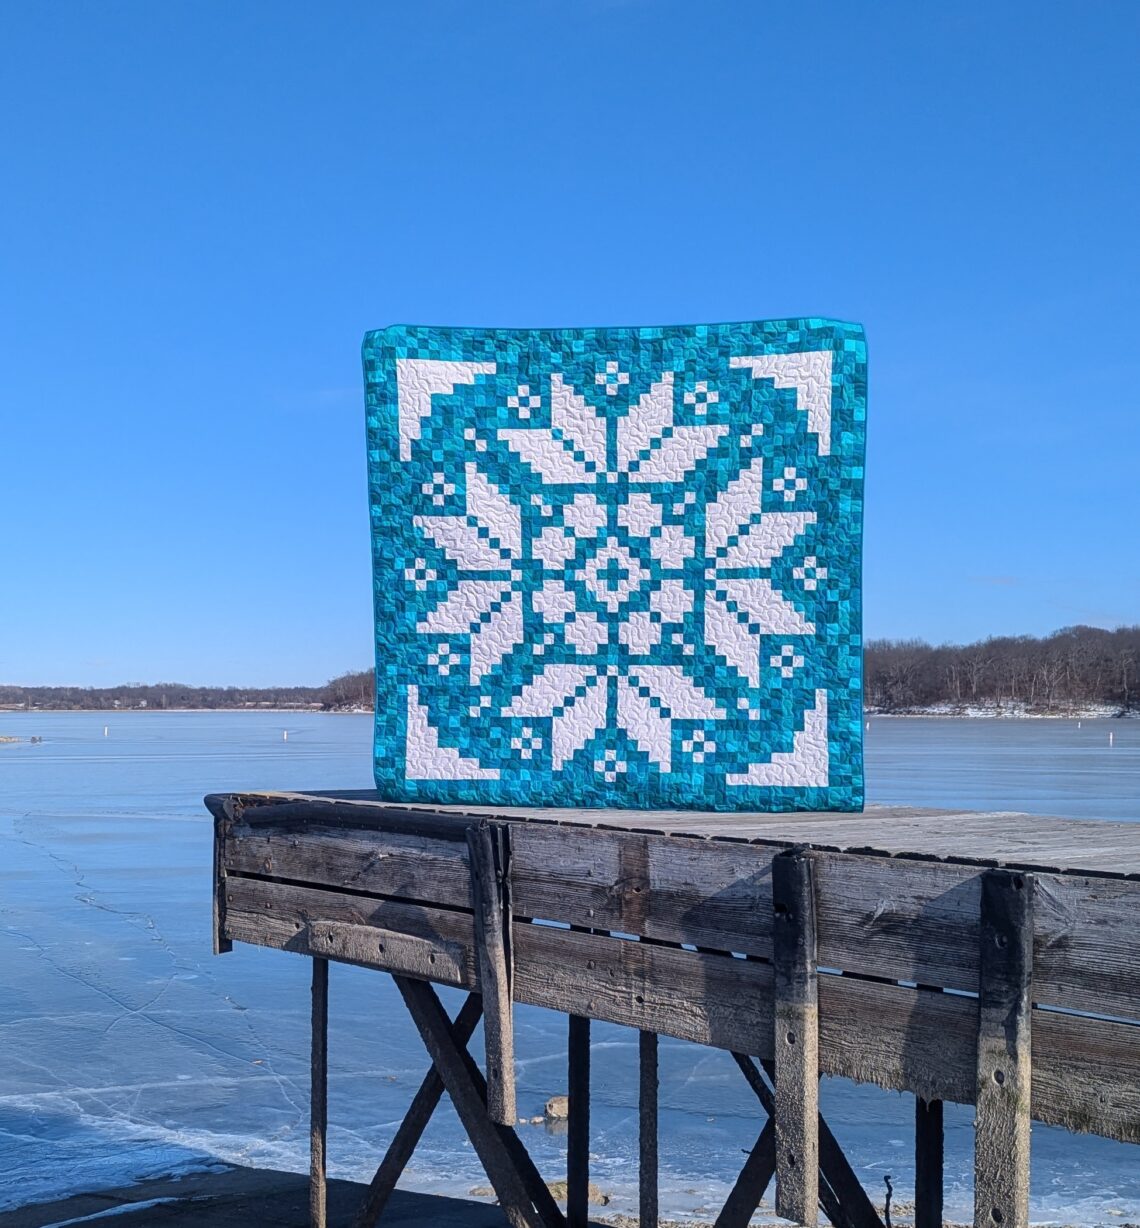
column 755, row 1176
column 222, row 945
column 841, row 1193
column 489, row 851
column 319, row 1095
column 928, row 1154
column 1001, row 1124
column 578, row 1126
column 455, row 1069
column 796, row 1041
column 415, row 1121
column 648, row 1085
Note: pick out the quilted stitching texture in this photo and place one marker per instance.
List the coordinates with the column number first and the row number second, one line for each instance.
column 619, row 566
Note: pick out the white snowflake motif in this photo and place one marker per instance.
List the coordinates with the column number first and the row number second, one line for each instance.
column 701, row 397
column 612, row 378
column 607, row 574
column 523, row 402
column 787, row 661
column 810, row 574
column 791, row 484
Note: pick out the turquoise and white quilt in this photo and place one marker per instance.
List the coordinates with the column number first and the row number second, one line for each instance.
column 619, row 566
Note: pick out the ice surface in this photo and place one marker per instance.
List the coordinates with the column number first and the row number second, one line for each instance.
column 130, row 1050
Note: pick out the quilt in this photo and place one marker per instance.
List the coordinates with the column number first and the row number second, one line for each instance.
column 618, row 567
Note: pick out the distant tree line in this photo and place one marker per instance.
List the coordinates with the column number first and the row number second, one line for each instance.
column 347, row 691
column 1073, row 666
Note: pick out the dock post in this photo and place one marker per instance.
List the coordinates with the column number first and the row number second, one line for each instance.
column 928, row 1158
column 796, row 1039
column 1004, row 1067
column 647, row 1129
column 489, row 854
column 318, row 1103
column 578, row 1126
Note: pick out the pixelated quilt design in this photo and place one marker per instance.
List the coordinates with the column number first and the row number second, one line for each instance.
column 619, row 566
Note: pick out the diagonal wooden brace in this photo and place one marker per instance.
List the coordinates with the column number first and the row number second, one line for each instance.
column 415, row 1121
column 489, row 854
column 524, row 1198
column 754, row 1178
column 841, row 1195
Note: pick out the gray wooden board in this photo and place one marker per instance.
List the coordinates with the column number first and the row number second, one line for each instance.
column 898, row 918
column 982, row 837
column 1086, row 1072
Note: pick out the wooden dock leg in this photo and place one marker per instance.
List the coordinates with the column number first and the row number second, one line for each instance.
column 647, row 1129
column 928, row 1148
column 489, row 853
column 415, row 1121
column 578, row 1127
column 1001, row 1125
column 319, row 1098
column 796, row 1039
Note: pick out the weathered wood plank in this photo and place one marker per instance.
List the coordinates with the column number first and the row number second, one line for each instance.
column 918, row 921
column 1001, row 1124
column 284, row 810
column 895, row 918
column 900, row 919
column 279, row 915
column 578, row 1123
column 411, row 1129
column 989, row 837
column 413, row 867
column 1086, row 1072
column 796, row 1042
column 659, row 887
column 319, row 1095
column 710, row 999
column 428, row 959
column 488, row 853
column 222, row 945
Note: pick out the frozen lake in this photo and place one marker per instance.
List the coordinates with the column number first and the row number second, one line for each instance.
column 129, row 1050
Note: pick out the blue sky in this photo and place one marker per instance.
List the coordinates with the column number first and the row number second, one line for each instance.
column 206, row 204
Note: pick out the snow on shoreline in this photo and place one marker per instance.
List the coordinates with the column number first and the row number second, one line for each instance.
column 1012, row 711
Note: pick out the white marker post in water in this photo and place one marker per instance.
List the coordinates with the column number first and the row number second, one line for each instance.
column 284, row 735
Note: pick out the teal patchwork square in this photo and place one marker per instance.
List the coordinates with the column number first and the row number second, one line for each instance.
column 619, row 566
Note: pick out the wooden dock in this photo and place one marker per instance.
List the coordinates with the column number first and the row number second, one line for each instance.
column 987, row 959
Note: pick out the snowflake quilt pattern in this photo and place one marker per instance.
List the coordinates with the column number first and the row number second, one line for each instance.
column 619, row 566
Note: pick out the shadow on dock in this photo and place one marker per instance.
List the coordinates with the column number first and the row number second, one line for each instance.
column 244, row 1198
